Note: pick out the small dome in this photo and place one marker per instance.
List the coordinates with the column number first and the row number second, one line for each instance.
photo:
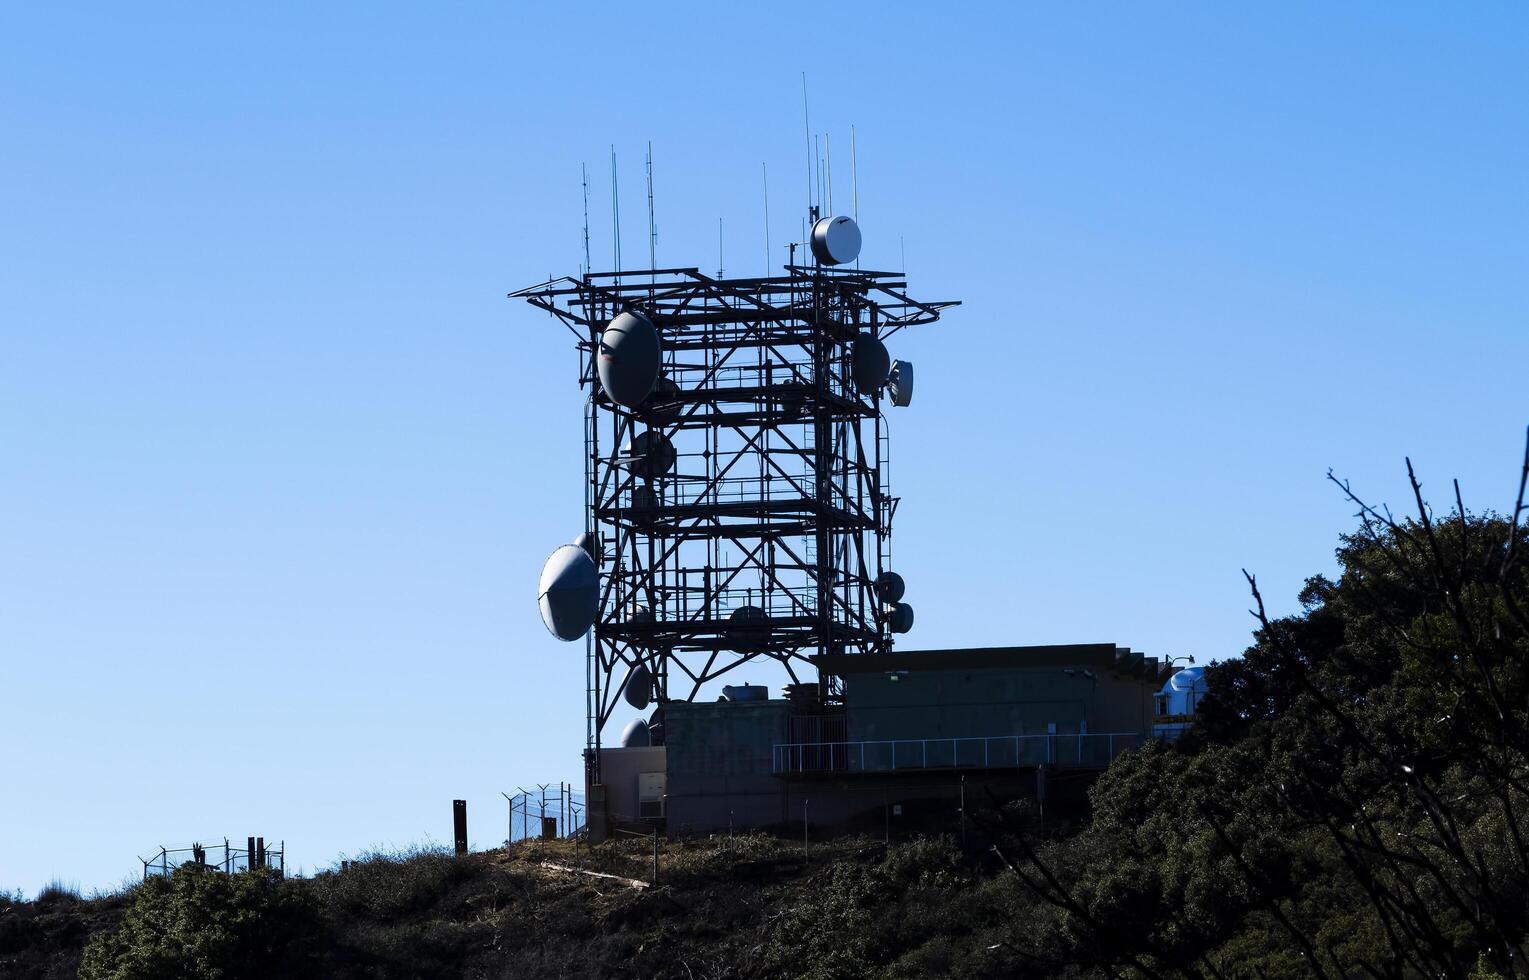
column 900, row 617
column 1190, row 678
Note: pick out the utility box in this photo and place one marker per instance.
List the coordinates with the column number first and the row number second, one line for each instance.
column 549, row 828
column 651, row 789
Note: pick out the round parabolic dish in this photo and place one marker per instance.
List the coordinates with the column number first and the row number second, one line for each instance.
column 870, row 363
column 628, row 360
column 900, row 617
column 890, row 588
column 836, row 240
column 900, row 383
column 635, row 735
column 747, row 638
column 590, row 544
column 651, row 453
column 663, row 405
column 639, row 687
column 569, row 592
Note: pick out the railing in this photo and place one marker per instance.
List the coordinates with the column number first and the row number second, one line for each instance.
column 992, row 752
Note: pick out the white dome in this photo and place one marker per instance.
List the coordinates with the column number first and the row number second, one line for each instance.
column 1188, row 679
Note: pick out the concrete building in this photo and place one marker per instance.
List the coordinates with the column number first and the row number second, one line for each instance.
column 902, row 730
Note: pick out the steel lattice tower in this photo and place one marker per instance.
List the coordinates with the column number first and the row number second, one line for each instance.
column 763, row 533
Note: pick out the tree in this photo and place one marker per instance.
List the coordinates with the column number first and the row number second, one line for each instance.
column 1353, row 799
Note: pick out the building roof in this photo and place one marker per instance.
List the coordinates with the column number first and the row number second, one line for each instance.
column 1106, row 656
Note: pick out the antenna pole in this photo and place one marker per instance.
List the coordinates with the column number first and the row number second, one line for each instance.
column 766, row 171
column 719, row 248
column 828, row 149
column 584, row 178
column 817, row 152
column 807, row 129
column 854, row 175
column 615, row 216
column 652, row 225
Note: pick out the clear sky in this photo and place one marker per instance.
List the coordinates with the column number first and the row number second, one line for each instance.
column 279, row 463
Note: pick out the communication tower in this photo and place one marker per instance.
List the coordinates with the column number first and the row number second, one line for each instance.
column 737, row 504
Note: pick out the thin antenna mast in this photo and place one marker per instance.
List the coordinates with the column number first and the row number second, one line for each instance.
column 828, row 150
column 854, row 180
column 807, row 129
column 615, row 216
column 584, row 177
column 652, row 225
column 854, row 176
column 719, row 248
column 817, row 152
column 766, row 170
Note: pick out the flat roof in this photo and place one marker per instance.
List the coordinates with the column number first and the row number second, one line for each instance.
column 1106, row 656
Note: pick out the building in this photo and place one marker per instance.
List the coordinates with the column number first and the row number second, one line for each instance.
column 905, row 730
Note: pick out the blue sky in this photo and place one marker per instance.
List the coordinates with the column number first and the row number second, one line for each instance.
column 279, row 463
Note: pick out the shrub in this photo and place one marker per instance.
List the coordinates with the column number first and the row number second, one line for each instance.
column 210, row 926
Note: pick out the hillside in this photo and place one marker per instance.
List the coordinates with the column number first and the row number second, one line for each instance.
column 725, row 907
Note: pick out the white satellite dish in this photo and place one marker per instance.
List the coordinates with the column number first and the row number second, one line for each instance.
column 628, row 359
column 836, row 240
column 900, row 383
column 569, row 592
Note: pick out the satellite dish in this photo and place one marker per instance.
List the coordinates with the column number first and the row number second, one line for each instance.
column 639, row 687
column 644, row 504
column 651, row 454
column 900, row 383
column 590, row 543
column 635, row 735
column 569, row 592
column 869, row 363
column 900, row 617
column 890, row 588
column 628, row 360
column 662, row 406
column 746, row 637
column 836, row 241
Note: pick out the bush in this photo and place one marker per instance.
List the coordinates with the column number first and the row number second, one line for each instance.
column 196, row 924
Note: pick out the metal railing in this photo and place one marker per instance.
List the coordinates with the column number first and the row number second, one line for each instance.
column 990, row 752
